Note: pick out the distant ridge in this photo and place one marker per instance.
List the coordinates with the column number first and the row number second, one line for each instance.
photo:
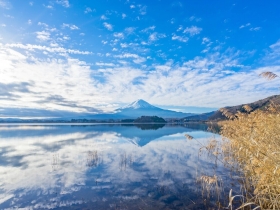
column 217, row 115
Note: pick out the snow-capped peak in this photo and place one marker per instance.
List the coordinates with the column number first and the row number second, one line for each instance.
column 139, row 104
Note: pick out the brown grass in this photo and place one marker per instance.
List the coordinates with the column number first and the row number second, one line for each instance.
column 268, row 75
column 253, row 140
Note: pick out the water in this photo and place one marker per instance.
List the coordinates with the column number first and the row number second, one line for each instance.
column 104, row 167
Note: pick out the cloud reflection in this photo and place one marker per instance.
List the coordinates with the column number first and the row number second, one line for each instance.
column 65, row 165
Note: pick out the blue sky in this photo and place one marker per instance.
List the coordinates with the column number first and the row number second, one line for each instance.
column 94, row 56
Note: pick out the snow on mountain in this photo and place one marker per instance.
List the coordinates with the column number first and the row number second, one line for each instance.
column 139, row 104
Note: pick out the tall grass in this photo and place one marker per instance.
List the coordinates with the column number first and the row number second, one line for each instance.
column 253, row 140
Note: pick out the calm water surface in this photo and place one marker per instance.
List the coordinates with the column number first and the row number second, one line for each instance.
column 104, row 167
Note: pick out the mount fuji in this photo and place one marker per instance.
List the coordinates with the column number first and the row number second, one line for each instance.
column 142, row 108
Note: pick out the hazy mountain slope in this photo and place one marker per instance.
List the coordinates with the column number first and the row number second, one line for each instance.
column 200, row 117
column 260, row 104
column 217, row 115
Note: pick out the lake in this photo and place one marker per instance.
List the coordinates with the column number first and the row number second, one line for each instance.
column 106, row 167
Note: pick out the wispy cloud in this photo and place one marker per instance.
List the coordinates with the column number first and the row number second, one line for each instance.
column 71, row 26
column 103, row 17
column 180, row 38
column 43, row 35
column 205, row 40
column 272, row 56
column 42, row 24
column 129, row 30
column 142, row 9
column 5, row 4
column 194, row 18
column 245, row 25
column 255, row 29
column 151, row 28
column 68, row 78
column 206, row 80
column 118, row 35
column 8, row 16
column 64, row 3
column 136, row 58
column 193, row 30
column 88, row 10
column 48, row 6
column 104, row 64
column 48, row 49
column 108, row 26
column 155, row 36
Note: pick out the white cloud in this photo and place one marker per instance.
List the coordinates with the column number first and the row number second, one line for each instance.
column 129, row 30
column 82, row 34
column 206, row 80
column 193, row 30
column 172, row 21
column 42, row 24
column 124, row 45
column 64, row 3
column 48, row 6
column 205, row 40
column 5, row 4
column 151, row 28
column 103, row 17
column 123, row 16
column 272, row 56
column 199, row 81
column 43, row 35
column 155, row 36
column 246, row 25
column 66, row 37
column 104, row 64
column 72, row 27
column 29, row 22
column 136, row 58
column 142, row 10
column 193, row 18
column 108, row 26
column 139, row 60
column 118, row 35
column 88, row 10
column 48, row 49
column 60, row 83
column 3, row 25
column 132, row 6
column 255, row 29
column 180, row 28
column 127, row 55
column 180, row 38
column 8, row 16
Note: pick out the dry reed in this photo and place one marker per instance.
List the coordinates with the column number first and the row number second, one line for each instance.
column 253, row 140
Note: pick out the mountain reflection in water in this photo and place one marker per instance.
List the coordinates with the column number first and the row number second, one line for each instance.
column 102, row 167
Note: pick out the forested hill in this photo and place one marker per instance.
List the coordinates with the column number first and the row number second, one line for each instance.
column 149, row 119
